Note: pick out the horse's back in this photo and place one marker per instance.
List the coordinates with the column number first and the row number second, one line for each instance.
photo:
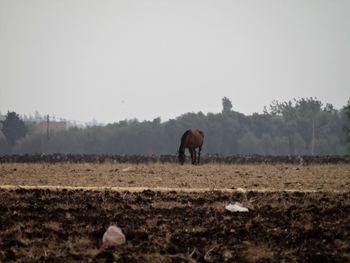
column 201, row 133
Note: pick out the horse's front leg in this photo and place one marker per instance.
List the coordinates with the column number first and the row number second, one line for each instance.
column 194, row 156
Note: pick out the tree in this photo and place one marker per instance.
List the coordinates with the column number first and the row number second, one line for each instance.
column 346, row 112
column 249, row 144
column 226, row 105
column 299, row 126
column 13, row 128
column 4, row 145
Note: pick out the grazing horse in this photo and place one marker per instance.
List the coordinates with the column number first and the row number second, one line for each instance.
column 191, row 139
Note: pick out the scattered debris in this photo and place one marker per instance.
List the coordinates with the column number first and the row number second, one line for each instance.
column 128, row 169
column 113, row 237
column 207, row 256
column 241, row 190
column 237, row 207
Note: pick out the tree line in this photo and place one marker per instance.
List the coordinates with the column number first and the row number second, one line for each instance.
column 299, row 127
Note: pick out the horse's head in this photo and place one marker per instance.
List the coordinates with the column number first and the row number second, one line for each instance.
column 181, row 157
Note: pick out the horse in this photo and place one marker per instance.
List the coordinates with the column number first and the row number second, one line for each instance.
column 191, row 139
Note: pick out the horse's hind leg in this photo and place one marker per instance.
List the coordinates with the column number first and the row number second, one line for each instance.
column 191, row 152
column 199, row 153
column 194, row 156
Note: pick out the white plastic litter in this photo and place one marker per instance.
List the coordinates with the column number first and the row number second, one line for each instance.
column 236, row 208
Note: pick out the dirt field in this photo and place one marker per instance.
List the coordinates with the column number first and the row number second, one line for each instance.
column 296, row 213
column 252, row 177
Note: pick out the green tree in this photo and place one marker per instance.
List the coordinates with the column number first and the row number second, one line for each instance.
column 4, row 145
column 226, row 105
column 346, row 113
column 13, row 128
column 249, row 144
column 299, row 126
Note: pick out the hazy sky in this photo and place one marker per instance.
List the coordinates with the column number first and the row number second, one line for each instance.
column 112, row 60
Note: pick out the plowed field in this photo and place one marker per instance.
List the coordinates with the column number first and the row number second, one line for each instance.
column 296, row 213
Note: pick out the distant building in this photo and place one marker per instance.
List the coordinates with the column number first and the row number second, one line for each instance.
column 54, row 126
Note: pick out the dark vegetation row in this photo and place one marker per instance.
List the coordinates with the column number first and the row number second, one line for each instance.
column 299, row 127
column 144, row 159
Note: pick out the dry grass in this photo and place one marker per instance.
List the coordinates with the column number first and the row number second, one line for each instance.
column 210, row 176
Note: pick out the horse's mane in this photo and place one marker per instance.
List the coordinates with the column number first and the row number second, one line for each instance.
column 183, row 140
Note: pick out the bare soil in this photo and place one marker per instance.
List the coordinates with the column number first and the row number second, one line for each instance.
column 296, row 213
column 212, row 176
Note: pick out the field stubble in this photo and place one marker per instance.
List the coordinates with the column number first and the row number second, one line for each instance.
column 212, row 176
column 304, row 215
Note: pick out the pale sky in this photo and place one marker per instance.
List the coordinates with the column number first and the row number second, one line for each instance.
column 112, row 60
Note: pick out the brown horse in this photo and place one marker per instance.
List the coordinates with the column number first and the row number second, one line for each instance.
column 191, row 139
